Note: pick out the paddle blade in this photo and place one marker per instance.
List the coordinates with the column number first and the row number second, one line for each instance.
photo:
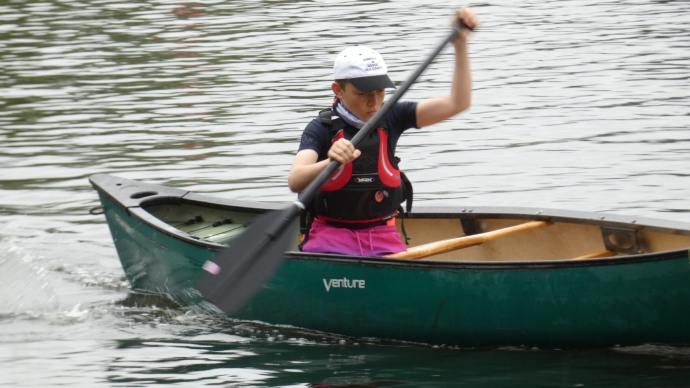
column 240, row 270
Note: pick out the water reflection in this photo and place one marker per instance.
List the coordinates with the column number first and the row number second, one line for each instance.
column 213, row 350
column 229, row 360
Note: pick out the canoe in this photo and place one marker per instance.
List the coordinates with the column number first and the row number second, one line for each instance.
column 575, row 280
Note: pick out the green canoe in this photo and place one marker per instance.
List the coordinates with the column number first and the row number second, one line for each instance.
column 585, row 280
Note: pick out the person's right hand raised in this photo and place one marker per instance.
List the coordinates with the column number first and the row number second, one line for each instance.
column 343, row 152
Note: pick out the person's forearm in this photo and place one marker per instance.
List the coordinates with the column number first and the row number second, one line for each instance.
column 434, row 110
column 301, row 176
column 461, row 89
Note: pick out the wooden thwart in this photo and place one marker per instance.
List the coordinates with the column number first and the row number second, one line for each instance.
column 452, row 244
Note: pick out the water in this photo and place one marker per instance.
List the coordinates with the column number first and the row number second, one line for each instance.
column 577, row 105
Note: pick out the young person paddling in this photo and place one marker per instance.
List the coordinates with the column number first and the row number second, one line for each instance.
column 355, row 210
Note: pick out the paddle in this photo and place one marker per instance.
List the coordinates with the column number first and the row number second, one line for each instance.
column 253, row 257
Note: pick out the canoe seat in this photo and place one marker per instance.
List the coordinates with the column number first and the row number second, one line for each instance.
column 617, row 241
column 621, row 240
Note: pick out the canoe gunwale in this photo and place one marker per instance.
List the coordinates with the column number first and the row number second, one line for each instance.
column 120, row 190
column 108, row 185
column 165, row 228
column 604, row 220
column 492, row 265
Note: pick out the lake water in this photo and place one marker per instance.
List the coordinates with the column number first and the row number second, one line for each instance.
column 580, row 105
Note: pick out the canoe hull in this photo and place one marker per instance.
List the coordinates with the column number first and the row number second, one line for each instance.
column 548, row 305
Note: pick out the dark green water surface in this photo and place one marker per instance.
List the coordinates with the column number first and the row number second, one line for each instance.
column 578, row 105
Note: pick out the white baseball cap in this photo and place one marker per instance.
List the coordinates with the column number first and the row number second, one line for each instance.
column 363, row 67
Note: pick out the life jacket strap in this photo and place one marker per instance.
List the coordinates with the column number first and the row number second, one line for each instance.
column 336, row 123
column 356, row 224
column 408, row 193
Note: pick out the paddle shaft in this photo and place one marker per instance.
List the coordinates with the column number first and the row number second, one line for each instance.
column 310, row 192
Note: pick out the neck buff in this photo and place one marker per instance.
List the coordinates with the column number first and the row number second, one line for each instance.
column 348, row 116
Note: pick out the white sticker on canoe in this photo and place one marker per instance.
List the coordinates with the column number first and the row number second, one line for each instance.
column 342, row 283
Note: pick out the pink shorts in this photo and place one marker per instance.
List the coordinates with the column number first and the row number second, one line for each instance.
column 375, row 241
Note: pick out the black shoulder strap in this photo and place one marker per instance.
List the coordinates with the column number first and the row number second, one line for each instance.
column 408, row 194
column 384, row 123
column 407, row 198
column 305, row 221
column 325, row 116
column 336, row 125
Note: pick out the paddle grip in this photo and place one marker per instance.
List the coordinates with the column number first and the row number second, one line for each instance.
column 310, row 192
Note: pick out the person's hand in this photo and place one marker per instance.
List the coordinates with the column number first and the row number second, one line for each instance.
column 467, row 16
column 343, row 151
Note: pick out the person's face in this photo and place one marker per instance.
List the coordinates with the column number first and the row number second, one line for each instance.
column 363, row 104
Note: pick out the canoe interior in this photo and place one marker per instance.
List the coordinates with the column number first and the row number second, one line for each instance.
column 208, row 224
column 559, row 241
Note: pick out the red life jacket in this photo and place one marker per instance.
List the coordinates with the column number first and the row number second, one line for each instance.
column 368, row 191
